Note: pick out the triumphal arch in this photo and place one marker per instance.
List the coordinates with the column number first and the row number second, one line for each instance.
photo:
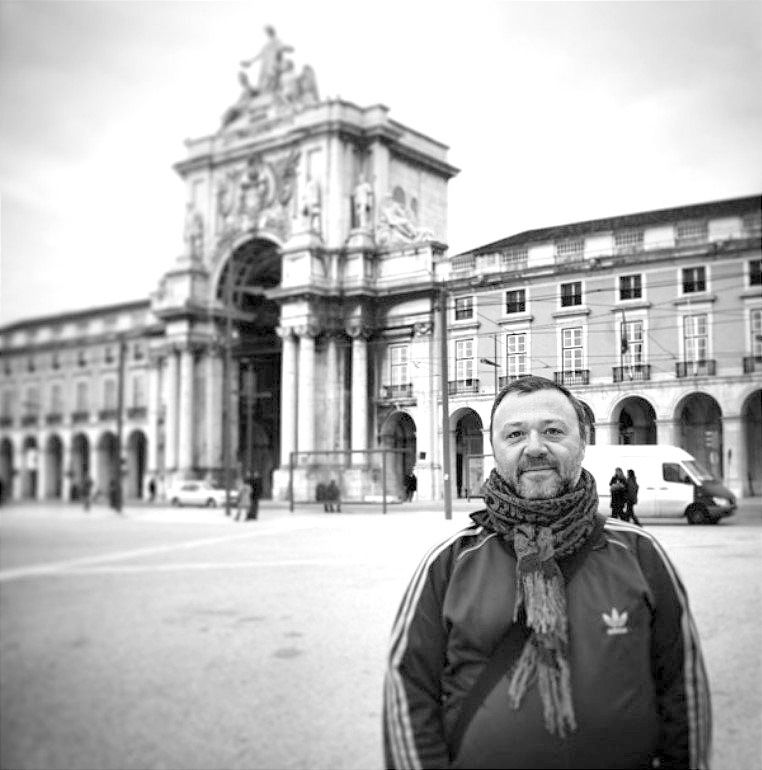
column 313, row 234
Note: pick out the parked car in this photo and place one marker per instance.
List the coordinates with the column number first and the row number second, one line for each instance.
column 199, row 493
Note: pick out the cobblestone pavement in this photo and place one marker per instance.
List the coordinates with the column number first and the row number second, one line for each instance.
column 178, row 638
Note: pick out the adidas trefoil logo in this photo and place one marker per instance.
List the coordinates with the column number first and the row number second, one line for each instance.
column 616, row 623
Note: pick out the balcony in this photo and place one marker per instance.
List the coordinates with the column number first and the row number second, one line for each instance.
column 29, row 419
column 403, row 392
column 752, row 364
column 461, row 387
column 631, row 373
column 6, row 422
column 137, row 412
column 573, row 377
column 107, row 414
column 54, row 418
column 509, row 378
column 695, row 368
column 80, row 416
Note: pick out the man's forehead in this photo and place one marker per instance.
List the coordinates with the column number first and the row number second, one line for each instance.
column 549, row 404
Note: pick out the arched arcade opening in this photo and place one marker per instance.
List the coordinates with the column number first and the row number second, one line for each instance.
column 6, row 469
column 29, row 468
column 699, row 425
column 469, row 452
column 53, row 459
column 398, row 432
column 636, row 421
column 80, row 463
column 751, row 419
column 137, row 447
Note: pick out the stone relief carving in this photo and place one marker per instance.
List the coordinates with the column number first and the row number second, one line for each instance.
column 279, row 89
column 310, row 206
column 193, row 233
column 397, row 224
column 363, row 204
column 257, row 197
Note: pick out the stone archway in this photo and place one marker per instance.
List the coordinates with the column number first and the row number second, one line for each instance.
column 469, row 451
column 53, row 459
column 636, row 421
column 137, row 447
column 751, row 419
column 6, row 469
column 399, row 432
column 106, row 464
column 80, row 463
column 699, row 425
column 29, row 468
column 253, row 267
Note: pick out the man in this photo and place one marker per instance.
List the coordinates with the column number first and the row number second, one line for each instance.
column 600, row 664
column 255, row 493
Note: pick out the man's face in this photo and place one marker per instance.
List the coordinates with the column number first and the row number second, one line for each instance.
column 536, row 443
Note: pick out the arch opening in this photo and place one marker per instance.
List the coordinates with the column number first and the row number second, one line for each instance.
column 636, row 421
column 399, row 432
column 469, row 453
column 699, row 420
column 751, row 419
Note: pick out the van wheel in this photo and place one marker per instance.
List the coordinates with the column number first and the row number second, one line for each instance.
column 697, row 514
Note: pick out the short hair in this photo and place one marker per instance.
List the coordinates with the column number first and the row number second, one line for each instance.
column 533, row 383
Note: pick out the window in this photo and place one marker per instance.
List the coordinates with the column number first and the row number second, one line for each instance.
column 7, row 404
column 571, row 348
column 55, row 361
column 516, row 354
column 695, row 337
column 571, row 294
column 752, row 223
column 464, row 359
column 627, row 241
column 691, row 232
column 109, row 394
column 83, row 397
column 464, row 308
column 31, row 401
column 570, row 250
column 56, row 398
column 138, row 390
column 755, row 272
column 108, row 355
column 514, row 259
column 515, row 301
column 631, row 335
column 398, row 358
column 756, row 332
column 82, row 358
column 694, row 279
column 30, row 364
column 674, row 473
column 137, row 351
column 630, row 287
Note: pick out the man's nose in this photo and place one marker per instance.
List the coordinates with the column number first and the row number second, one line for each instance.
column 535, row 444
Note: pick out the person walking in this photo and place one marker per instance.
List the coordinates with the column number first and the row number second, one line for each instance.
column 544, row 634
column 255, row 485
column 333, row 496
column 411, row 485
column 618, row 490
column 244, row 501
column 151, row 489
column 631, row 497
column 87, row 491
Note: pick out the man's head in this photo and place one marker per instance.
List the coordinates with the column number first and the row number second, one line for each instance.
column 537, row 430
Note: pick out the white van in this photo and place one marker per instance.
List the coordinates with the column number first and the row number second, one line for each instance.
column 672, row 483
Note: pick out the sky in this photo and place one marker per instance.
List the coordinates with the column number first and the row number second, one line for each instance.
column 554, row 112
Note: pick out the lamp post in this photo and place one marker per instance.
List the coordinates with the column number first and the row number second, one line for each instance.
column 227, row 366
column 445, row 403
column 495, row 366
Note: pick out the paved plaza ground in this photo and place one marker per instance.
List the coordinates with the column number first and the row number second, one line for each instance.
column 177, row 638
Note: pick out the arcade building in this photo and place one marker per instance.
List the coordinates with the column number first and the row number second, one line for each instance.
column 299, row 329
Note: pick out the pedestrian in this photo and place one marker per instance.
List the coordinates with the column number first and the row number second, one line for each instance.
column 87, row 490
column 544, row 635
column 631, row 497
column 333, row 496
column 151, row 489
column 618, row 490
column 244, row 501
column 255, row 485
column 411, row 484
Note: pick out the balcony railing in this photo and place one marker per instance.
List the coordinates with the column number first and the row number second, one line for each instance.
column 397, row 392
column 509, row 378
column 633, row 372
column 695, row 368
column 6, row 422
column 457, row 387
column 107, row 414
column 137, row 412
column 752, row 364
column 573, row 377
column 81, row 415
column 29, row 419
column 54, row 418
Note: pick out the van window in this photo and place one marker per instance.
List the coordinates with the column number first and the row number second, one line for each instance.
column 701, row 473
column 675, row 473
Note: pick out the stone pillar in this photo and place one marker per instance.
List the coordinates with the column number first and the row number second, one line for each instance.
column 170, row 418
column 305, row 440
column 42, row 467
column 666, row 432
column 332, row 394
column 359, row 438
column 154, row 401
column 186, row 415
column 66, row 469
column 734, row 454
column 607, row 433
column 213, row 427
column 288, row 394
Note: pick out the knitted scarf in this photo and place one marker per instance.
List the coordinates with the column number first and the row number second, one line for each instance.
column 541, row 532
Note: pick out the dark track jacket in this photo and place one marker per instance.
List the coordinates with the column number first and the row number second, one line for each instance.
column 638, row 681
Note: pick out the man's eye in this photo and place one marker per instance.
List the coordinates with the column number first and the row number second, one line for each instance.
column 555, row 431
column 514, row 434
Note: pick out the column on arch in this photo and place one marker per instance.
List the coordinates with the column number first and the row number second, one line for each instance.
column 288, row 395
column 666, row 432
column 359, row 435
column 186, row 417
column 42, row 467
column 170, row 404
column 66, row 467
column 213, row 428
column 334, row 391
column 735, row 460
column 154, row 403
column 306, row 390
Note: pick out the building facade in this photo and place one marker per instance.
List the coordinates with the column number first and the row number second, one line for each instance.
column 299, row 334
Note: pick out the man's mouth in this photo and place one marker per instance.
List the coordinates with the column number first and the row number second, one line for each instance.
column 538, row 469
